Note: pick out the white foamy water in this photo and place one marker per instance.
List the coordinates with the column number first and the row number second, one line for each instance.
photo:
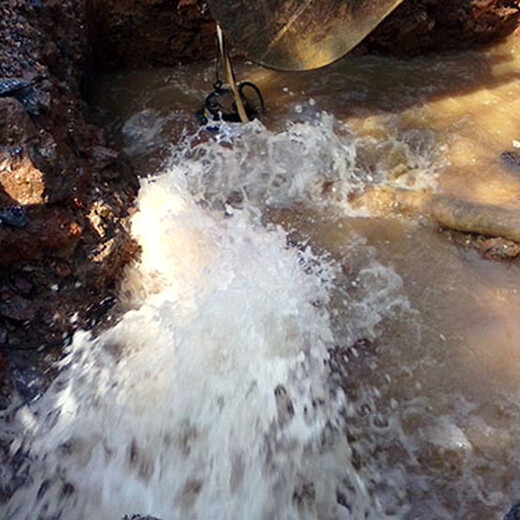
column 319, row 162
column 211, row 397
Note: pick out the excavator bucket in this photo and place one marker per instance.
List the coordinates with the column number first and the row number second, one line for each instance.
column 298, row 34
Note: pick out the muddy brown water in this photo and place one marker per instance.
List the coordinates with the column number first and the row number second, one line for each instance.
column 438, row 380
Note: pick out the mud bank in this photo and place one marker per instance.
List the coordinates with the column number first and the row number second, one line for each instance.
column 63, row 191
column 421, row 26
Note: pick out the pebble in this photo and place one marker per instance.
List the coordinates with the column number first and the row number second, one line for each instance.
column 511, row 159
column 14, row 216
column 24, row 92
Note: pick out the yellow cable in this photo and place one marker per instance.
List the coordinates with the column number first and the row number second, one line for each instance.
column 231, row 76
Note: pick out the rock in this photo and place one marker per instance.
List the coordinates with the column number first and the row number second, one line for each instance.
column 104, row 156
column 498, row 249
column 20, row 181
column 50, row 231
column 511, row 159
column 13, row 216
column 16, row 126
column 21, row 285
column 33, row 101
column 10, row 86
column 18, row 309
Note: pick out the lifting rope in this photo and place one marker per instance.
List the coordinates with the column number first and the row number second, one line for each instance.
column 230, row 75
column 233, row 102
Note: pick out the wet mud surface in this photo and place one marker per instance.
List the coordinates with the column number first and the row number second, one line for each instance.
column 64, row 192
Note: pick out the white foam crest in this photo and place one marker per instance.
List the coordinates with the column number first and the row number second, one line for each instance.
column 210, row 398
column 269, row 167
column 319, row 161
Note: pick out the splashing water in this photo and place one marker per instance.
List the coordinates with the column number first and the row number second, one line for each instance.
column 318, row 162
column 211, row 397
column 429, row 396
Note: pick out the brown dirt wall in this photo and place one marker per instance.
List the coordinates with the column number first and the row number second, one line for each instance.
column 132, row 33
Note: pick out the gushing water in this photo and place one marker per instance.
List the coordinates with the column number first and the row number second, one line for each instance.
column 211, row 398
column 260, row 372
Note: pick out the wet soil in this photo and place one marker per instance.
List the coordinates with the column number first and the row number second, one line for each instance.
column 64, row 192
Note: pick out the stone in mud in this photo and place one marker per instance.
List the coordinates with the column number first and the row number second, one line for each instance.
column 20, row 181
column 498, row 249
column 16, row 126
column 9, row 87
column 104, row 156
column 17, row 309
column 21, row 285
column 33, row 101
column 50, row 231
column 511, row 159
column 14, row 216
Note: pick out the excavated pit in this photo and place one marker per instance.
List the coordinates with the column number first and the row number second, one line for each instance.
column 61, row 255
